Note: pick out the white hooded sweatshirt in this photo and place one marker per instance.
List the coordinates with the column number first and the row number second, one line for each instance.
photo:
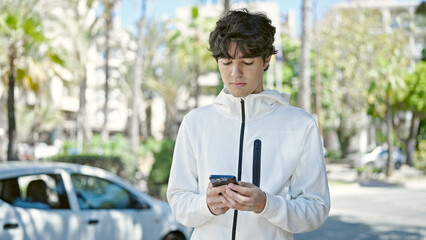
column 293, row 173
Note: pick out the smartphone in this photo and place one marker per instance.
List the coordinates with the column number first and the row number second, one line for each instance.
column 219, row 180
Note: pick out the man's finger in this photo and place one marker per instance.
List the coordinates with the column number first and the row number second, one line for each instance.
column 241, row 190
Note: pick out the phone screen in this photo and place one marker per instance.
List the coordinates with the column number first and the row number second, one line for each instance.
column 218, row 180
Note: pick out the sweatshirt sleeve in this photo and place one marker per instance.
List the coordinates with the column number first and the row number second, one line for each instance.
column 308, row 202
column 189, row 207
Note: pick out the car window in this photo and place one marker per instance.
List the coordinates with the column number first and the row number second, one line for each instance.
column 97, row 193
column 43, row 191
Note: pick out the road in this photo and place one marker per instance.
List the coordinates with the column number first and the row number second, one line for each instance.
column 374, row 210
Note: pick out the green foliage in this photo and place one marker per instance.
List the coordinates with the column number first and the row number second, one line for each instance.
column 334, row 155
column 368, row 172
column 422, row 131
column 380, row 137
column 191, row 46
column 19, row 23
column 160, row 171
column 117, row 147
column 194, row 11
column 415, row 96
column 344, row 55
column 362, row 66
column 55, row 57
column 12, row 21
column 31, row 27
column 290, row 64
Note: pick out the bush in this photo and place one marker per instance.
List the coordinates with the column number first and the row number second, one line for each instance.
column 160, row 171
column 368, row 172
column 113, row 164
column 113, row 155
column 334, row 155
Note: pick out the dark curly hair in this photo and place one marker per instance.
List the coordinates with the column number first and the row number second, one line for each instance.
column 252, row 33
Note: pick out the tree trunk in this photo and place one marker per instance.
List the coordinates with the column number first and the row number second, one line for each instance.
column 84, row 132
column 389, row 138
column 170, row 126
column 226, row 6
column 138, row 100
column 11, row 147
column 412, row 139
column 304, row 95
column 105, row 132
column 148, row 113
column 197, row 86
column 318, row 98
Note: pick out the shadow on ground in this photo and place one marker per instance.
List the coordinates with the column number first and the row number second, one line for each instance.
column 335, row 228
column 376, row 183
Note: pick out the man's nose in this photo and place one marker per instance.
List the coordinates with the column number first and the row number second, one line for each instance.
column 236, row 70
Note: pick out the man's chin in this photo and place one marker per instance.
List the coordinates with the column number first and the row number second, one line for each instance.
column 239, row 94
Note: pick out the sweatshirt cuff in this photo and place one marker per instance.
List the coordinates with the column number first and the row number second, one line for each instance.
column 270, row 208
column 203, row 208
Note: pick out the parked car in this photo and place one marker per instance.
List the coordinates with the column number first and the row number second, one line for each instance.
column 378, row 158
column 71, row 201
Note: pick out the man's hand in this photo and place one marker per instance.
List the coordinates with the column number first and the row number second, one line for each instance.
column 244, row 197
column 215, row 204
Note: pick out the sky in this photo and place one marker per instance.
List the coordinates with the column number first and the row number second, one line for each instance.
column 160, row 9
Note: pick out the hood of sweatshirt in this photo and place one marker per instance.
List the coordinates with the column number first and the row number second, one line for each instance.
column 255, row 105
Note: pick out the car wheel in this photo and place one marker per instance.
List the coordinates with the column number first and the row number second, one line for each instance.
column 397, row 165
column 174, row 236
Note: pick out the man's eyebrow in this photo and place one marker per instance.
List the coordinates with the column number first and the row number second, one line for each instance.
column 248, row 56
column 241, row 57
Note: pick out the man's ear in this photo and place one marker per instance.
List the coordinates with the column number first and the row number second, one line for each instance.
column 266, row 63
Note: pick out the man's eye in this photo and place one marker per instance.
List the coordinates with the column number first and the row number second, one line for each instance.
column 226, row 63
column 248, row 63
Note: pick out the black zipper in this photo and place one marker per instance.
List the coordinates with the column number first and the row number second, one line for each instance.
column 240, row 161
column 243, row 124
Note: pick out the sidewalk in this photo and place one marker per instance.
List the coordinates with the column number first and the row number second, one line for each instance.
column 406, row 176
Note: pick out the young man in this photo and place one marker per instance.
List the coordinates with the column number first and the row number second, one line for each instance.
column 220, row 138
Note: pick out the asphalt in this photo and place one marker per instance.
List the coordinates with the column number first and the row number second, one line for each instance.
column 373, row 206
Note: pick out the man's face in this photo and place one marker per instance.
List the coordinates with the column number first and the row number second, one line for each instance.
column 242, row 76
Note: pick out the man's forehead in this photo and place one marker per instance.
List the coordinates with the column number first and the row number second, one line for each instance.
column 236, row 53
column 237, row 56
column 233, row 51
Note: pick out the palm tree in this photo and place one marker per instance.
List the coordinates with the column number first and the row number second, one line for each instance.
column 137, row 96
column 169, row 85
column 192, row 49
column 109, row 5
column 21, row 32
column 83, row 26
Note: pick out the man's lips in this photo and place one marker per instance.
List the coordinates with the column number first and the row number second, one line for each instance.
column 239, row 84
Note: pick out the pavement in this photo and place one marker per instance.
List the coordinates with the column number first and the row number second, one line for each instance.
column 373, row 207
column 406, row 176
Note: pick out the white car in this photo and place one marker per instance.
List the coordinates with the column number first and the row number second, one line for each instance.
column 43, row 201
column 378, row 158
